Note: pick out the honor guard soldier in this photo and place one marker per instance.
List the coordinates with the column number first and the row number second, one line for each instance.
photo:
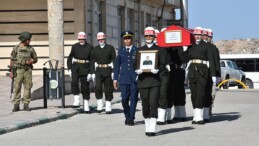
column 22, row 57
column 199, row 74
column 78, row 63
column 104, row 56
column 177, row 78
column 215, row 80
column 125, row 74
column 164, row 77
column 149, row 83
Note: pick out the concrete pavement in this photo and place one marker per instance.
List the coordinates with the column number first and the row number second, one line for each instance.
column 235, row 122
column 10, row 121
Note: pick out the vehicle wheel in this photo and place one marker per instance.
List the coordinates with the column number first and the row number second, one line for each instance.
column 249, row 83
column 243, row 81
column 226, row 85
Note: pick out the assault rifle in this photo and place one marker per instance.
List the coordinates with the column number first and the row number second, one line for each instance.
column 12, row 69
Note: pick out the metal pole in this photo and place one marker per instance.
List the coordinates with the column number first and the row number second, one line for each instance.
column 185, row 13
column 45, row 83
column 56, row 31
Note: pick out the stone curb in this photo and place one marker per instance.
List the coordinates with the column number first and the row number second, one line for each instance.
column 43, row 120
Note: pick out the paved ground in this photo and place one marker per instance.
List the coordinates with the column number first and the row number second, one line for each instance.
column 235, row 122
column 10, row 121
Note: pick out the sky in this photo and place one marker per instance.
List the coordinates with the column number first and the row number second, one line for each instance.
column 229, row 19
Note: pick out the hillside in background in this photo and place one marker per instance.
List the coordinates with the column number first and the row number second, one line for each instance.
column 239, row 46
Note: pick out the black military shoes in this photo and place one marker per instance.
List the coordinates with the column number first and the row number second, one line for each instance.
column 16, row 108
column 160, row 123
column 26, row 107
column 150, row 134
column 129, row 122
column 198, row 122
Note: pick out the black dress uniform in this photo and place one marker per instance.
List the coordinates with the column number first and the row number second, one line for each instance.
column 149, row 85
column 199, row 74
column 216, row 64
column 210, row 99
column 176, row 89
column 103, row 57
column 147, row 62
column 164, row 74
column 80, row 68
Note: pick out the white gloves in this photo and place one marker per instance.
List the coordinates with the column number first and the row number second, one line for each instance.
column 111, row 65
column 168, row 67
column 185, row 48
column 73, row 60
column 154, row 71
column 69, row 72
column 89, row 77
column 112, row 75
column 187, row 67
column 139, row 71
column 95, row 65
column 214, row 79
column 93, row 77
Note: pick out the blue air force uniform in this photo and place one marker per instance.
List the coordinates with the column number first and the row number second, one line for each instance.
column 124, row 73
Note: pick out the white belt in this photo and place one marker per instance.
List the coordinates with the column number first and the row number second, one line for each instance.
column 80, row 60
column 103, row 65
column 198, row 61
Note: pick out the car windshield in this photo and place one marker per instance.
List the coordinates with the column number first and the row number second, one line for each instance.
column 234, row 65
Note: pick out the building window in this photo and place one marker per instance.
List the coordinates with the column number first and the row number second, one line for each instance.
column 148, row 20
column 131, row 20
column 121, row 22
column 102, row 17
column 142, row 22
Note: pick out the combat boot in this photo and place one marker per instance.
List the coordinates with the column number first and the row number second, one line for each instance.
column 99, row 105
column 76, row 103
column 86, row 107
column 26, row 107
column 176, row 113
column 152, row 128
column 108, row 108
column 161, row 116
column 169, row 116
column 16, row 108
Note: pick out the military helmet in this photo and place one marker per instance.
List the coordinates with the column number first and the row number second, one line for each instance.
column 100, row 36
column 198, row 31
column 210, row 32
column 81, row 36
column 149, row 31
column 24, row 36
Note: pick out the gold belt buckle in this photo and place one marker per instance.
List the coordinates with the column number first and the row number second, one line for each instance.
column 81, row 61
column 102, row 65
column 196, row 61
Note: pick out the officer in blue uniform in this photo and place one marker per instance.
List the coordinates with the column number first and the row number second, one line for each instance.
column 124, row 73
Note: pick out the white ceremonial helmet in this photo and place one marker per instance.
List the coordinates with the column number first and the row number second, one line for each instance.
column 149, row 31
column 81, row 35
column 198, row 30
column 101, row 36
column 210, row 32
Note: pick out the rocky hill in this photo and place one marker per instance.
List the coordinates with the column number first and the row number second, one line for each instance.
column 240, row 46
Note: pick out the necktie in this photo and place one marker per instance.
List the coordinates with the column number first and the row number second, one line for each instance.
column 127, row 50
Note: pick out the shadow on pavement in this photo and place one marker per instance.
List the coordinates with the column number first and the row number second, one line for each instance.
column 36, row 108
column 219, row 117
column 174, row 130
column 139, row 122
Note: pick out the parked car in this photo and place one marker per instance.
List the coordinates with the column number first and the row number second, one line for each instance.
column 229, row 70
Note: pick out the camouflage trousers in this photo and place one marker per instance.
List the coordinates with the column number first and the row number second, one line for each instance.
column 22, row 77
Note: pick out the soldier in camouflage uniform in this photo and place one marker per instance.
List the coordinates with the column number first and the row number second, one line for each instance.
column 22, row 57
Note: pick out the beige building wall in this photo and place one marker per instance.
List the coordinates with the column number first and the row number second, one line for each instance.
column 91, row 16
